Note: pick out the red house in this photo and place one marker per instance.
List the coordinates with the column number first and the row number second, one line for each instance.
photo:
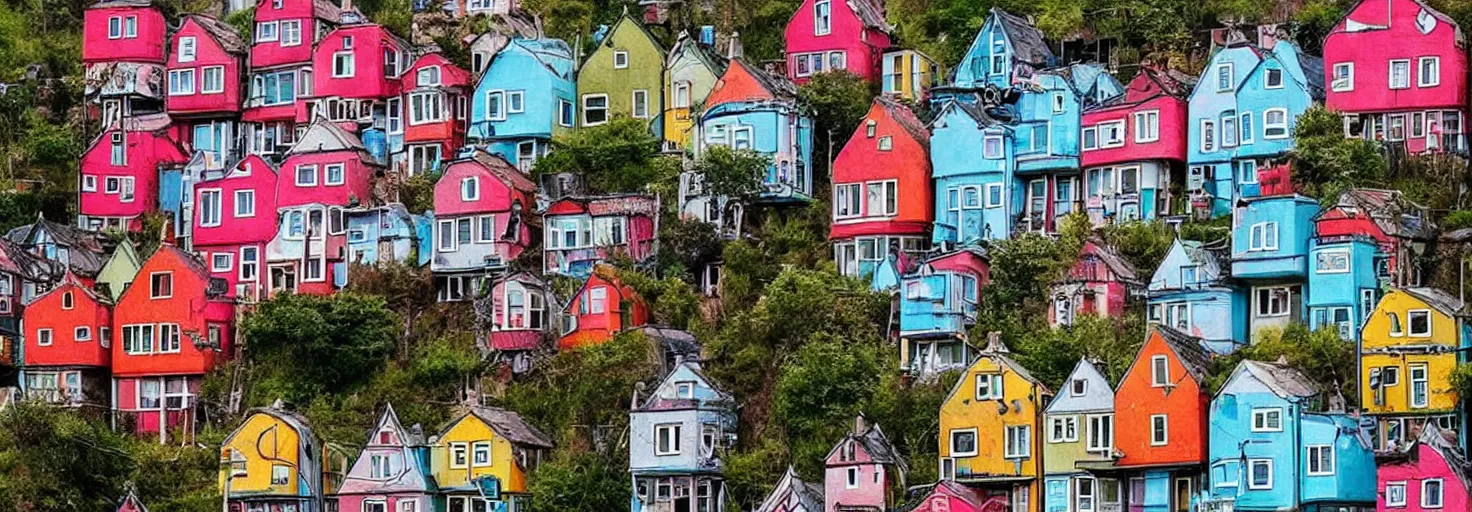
column 123, row 51
column 432, row 112
column 603, row 307
column 828, row 35
column 483, row 211
column 1134, row 149
column 204, row 86
column 119, row 172
column 1396, row 224
column 281, row 67
column 881, row 189
column 1397, row 70
column 173, row 325
column 584, row 231
column 1099, row 283
column 68, row 344
column 234, row 219
column 356, row 69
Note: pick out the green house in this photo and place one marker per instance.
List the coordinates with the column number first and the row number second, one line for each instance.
column 624, row 77
column 120, row 269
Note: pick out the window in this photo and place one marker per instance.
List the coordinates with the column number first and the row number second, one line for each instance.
column 822, row 17
column 306, row 175
column 89, row 183
column 1229, row 130
column 1331, row 262
column 1400, row 74
column 222, row 261
column 1147, row 126
column 620, row 59
column 1159, row 430
column 181, row 82
column 1111, row 135
column 851, row 478
column 837, row 60
column 1419, row 386
column 1091, row 138
column 427, row 76
column 168, row 338
column 335, row 174
column 1395, row 327
column 213, row 81
column 963, row 443
column 1267, row 420
column 1077, row 387
column 82, row 334
column 1395, row 494
column 470, row 189
column 1320, row 460
column 565, row 113
column 161, row 284
column 640, row 103
column 1159, row 371
column 429, row 107
column 667, row 439
column 1063, row 429
column 1100, row 434
column 1224, row 80
column 846, row 200
column 267, row 31
column 1418, row 124
column 595, row 109
column 291, row 32
column 245, row 203
column 115, row 28
column 1058, row 104
column 1259, row 474
column 249, row 263
column 992, row 147
column 395, row 112
column 1246, row 127
column 597, row 300
column 989, row 386
column 947, row 468
column 1274, row 301
column 186, row 49
column 682, row 94
column 1272, row 78
column 1208, row 136
column 1419, row 321
column 138, row 339
column 1264, row 237
column 209, row 208
column 43, row 337
column 993, row 195
column 1343, row 79
column 886, row 143
column 1428, row 72
column 1083, row 494
column 280, row 474
column 343, row 64
column 1018, row 443
column 459, row 455
column 1431, row 493
column 480, row 454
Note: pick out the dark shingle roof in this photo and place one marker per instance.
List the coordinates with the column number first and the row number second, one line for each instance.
column 1027, row 40
column 86, row 250
column 1188, row 350
column 906, row 119
column 222, row 33
column 510, row 426
column 1440, row 300
column 871, row 13
column 779, row 86
column 1284, row 381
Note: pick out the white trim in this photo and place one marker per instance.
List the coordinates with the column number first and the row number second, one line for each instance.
column 1165, row 429
column 1266, row 125
column 1264, row 412
column 1251, row 481
column 675, row 432
column 1440, row 497
column 1412, row 333
column 1390, row 74
column 1421, row 77
column 1399, row 503
column 1334, row 70
column 1311, row 460
column 584, row 116
column 1146, row 114
column 975, row 442
column 171, row 284
column 47, row 340
column 1156, row 380
column 620, row 53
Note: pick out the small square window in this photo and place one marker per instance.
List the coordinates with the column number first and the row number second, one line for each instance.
column 620, row 59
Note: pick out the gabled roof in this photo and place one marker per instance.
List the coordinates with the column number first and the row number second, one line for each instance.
column 1284, row 381
column 626, row 17
column 1437, row 299
column 323, row 135
column 1434, row 438
column 779, row 87
column 907, row 120
column 1188, row 350
column 707, row 55
column 1429, row 10
column 656, row 403
column 547, row 52
column 1098, row 395
column 875, row 443
column 414, row 476
column 511, row 426
column 976, row 113
column 223, row 33
column 1121, row 267
column 1388, row 209
column 14, row 259
column 809, row 495
column 503, row 170
column 870, row 13
column 130, row 501
column 1027, row 40
column 295, row 420
column 86, row 250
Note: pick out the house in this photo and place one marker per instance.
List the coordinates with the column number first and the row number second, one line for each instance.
column 1160, row 423
column 130, row 502
column 521, row 309
column 1192, row 292
column 356, row 70
column 624, row 77
column 1270, row 251
column 824, row 35
column 282, row 68
column 272, row 461
column 863, row 471
column 120, row 171
column 488, row 452
column 679, row 435
column 1408, row 348
column 503, row 28
column 971, row 163
column 483, row 212
column 386, row 234
column 937, row 309
column 582, row 231
column 1100, row 282
column 391, row 472
column 206, row 73
column 1343, row 283
column 908, row 75
column 949, row 496
column 988, row 429
column 1397, row 71
column 882, row 191
column 1274, row 446
column 54, row 249
column 603, row 307
column 123, row 48
column 527, row 95
column 1212, row 178
column 1400, row 226
column 68, row 346
column 751, row 109
column 690, row 71
column 174, row 324
column 1044, row 124
column 234, row 219
column 1134, row 150
column 430, row 114
column 792, row 494
column 1427, row 474
column 1079, row 424
column 119, row 271
column 1285, row 83
column 1008, row 48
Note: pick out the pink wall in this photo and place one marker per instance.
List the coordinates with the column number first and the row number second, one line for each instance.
column 835, row 481
column 272, row 53
column 495, row 195
column 1171, row 144
column 208, row 52
column 258, row 229
column 1428, row 464
column 369, row 43
column 1372, row 50
column 864, row 46
column 358, row 178
column 147, row 422
column 147, row 46
column 145, row 151
column 354, row 503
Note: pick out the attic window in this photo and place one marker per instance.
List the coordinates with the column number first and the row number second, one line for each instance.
column 66, row 301
column 870, row 128
column 428, row 76
column 1078, row 387
column 385, row 437
column 161, row 285
column 1273, row 79
column 685, row 389
column 886, row 143
column 620, row 59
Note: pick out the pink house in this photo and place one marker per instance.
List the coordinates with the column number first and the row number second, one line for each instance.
column 286, row 30
column 1134, row 149
column 482, row 206
column 864, row 471
column 827, row 35
column 792, row 494
column 234, row 219
column 949, row 496
column 356, row 68
column 204, row 86
column 120, row 170
column 1427, row 475
column 1100, row 283
column 123, row 30
column 391, row 450
column 282, row 68
column 1398, row 70
column 584, row 231
column 432, row 111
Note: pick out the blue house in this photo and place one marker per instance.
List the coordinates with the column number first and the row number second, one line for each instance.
column 1272, row 449
column 1008, row 48
column 750, row 108
column 971, row 163
column 1213, row 104
column 1192, row 291
column 1270, row 252
column 526, row 96
column 937, row 307
column 676, row 437
column 1045, row 123
column 1343, row 283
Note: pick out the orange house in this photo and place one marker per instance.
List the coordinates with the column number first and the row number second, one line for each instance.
column 603, row 307
column 173, row 324
column 67, row 345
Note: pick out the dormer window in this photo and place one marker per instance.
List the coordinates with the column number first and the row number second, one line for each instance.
column 66, row 301
column 470, row 189
column 186, row 49
column 870, row 128
column 429, row 76
column 1078, row 387
column 685, row 389
column 386, row 437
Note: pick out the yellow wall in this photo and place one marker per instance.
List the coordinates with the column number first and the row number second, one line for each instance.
column 469, row 430
column 264, row 440
column 961, row 410
column 903, row 87
column 1377, row 339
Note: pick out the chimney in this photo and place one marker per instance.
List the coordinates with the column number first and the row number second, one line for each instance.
column 994, row 343
column 347, row 5
column 859, row 424
column 733, row 51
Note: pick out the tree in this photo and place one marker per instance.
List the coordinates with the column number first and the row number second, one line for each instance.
column 55, row 460
column 1321, row 355
column 621, row 156
column 1325, row 161
column 580, row 482
column 836, row 100
column 733, row 174
column 346, row 337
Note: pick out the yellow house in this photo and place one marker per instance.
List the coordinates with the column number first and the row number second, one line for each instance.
column 908, row 74
column 272, row 462
column 1408, row 350
column 691, row 70
column 486, row 447
column 989, row 428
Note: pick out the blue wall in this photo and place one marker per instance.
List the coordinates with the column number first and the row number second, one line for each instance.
column 1209, row 101
column 772, row 130
column 958, row 165
column 542, row 70
column 929, row 308
column 1294, row 216
column 1330, row 290
column 975, row 68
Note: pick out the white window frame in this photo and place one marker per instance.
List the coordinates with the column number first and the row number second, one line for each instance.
column 605, row 109
column 188, row 49
column 211, row 214
column 1063, row 421
column 1268, row 126
column 1400, row 503
column 474, row 190
column 1412, row 332
column 348, row 71
column 822, row 23
column 1085, row 138
column 1008, row 434
column 1440, row 493
column 45, row 337
column 342, row 174
column 1159, row 375
column 1147, row 119
column 204, row 80
column 290, row 32
column 275, row 32
column 1421, row 80
column 986, row 147
column 1207, row 142
column 1165, row 429
column 178, row 82
column 1256, row 243
column 1331, row 270
column 620, row 59
column 1268, row 73
column 1349, row 77
column 1116, row 127
column 1313, row 451
column 674, row 430
column 296, row 175
column 1424, row 400
column 1251, row 478
column 244, row 197
column 975, row 442
column 1265, row 413
column 634, row 103
column 986, row 200
column 1390, row 74
column 1231, row 77
column 215, row 260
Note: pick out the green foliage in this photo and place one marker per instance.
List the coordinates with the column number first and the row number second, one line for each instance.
column 1461, row 379
column 733, row 174
column 1321, row 355
column 836, row 100
column 347, row 337
column 1314, row 20
column 1457, row 220
column 1051, row 354
column 1325, row 162
column 1208, row 231
column 417, row 192
column 1023, row 267
column 244, row 22
column 621, row 156
column 1142, row 243
column 686, row 246
column 581, row 481
column 820, row 390
column 578, row 392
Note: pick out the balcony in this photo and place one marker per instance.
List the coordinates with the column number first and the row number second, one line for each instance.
column 938, row 305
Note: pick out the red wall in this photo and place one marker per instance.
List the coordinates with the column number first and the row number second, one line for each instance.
column 1372, row 50
column 908, row 162
column 145, row 150
column 848, row 33
column 46, row 312
column 1142, row 95
column 1136, row 400
column 495, row 195
column 258, row 229
column 369, row 43
column 595, row 328
column 358, row 177
column 188, row 307
column 208, row 52
column 271, row 54
column 148, row 46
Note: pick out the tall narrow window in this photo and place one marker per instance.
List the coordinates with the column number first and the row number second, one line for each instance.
column 822, row 17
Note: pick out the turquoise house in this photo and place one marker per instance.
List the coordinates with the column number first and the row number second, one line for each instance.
column 526, row 96
column 971, row 163
column 1343, row 283
column 1270, row 254
column 1213, row 103
column 1192, row 291
column 1272, row 448
column 1045, row 123
column 1007, row 48
column 388, row 233
column 750, row 108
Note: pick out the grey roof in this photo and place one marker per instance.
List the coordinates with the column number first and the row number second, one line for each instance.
column 1391, row 211
column 1116, row 263
column 1188, row 350
column 222, row 33
column 1285, row 382
column 906, row 119
column 779, row 86
column 16, row 260
column 1440, row 300
column 1027, row 40
column 871, row 13
column 809, row 495
column 1313, row 71
column 1433, row 437
column 511, row 426
column 977, row 113
column 86, row 250
column 672, row 341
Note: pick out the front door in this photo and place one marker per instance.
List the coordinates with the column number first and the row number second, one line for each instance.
column 1181, row 497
